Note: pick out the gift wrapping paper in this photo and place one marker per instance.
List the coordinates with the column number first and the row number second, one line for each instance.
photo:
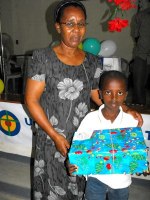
column 110, row 151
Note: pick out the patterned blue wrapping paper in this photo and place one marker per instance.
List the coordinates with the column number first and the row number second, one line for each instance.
column 110, row 151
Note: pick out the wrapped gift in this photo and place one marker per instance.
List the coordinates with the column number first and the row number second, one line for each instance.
column 110, row 151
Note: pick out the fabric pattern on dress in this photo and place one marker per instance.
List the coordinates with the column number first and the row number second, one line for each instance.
column 66, row 100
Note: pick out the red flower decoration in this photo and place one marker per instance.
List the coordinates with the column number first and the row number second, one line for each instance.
column 117, row 24
column 124, row 4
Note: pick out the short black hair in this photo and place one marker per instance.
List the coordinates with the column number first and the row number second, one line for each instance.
column 58, row 12
column 112, row 74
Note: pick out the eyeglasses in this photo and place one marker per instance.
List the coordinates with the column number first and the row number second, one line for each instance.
column 73, row 24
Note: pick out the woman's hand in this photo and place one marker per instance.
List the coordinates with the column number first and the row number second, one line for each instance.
column 136, row 115
column 62, row 145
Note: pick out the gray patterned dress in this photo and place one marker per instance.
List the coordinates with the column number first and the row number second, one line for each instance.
column 66, row 100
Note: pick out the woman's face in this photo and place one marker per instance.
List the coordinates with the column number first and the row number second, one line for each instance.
column 114, row 93
column 72, row 26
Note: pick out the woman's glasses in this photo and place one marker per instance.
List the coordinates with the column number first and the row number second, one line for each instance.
column 73, row 24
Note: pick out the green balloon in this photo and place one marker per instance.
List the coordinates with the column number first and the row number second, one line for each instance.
column 92, row 45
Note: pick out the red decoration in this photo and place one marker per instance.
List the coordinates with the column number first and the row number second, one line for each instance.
column 113, row 132
column 113, row 151
column 106, row 158
column 108, row 166
column 78, row 152
column 116, row 23
column 89, row 151
column 124, row 4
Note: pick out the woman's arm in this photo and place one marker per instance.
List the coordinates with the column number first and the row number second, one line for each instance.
column 33, row 92
column 95, row 97
column 134, row 113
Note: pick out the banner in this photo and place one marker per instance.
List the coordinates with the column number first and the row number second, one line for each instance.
column 146, row 133
column 16, row 135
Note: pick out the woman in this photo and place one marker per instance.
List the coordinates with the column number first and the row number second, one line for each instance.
column 60, row 82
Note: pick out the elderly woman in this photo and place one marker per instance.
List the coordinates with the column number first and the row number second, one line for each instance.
column 61, row 80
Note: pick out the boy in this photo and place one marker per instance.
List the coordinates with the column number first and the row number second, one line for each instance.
column 113, row 92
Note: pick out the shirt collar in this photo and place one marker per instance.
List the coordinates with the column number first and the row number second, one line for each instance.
column 116, row 121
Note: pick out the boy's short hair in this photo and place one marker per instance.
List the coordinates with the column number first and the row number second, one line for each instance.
column 112, row 74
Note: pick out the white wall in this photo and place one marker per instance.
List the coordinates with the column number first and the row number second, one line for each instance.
column 24, row 20
column 28, row 23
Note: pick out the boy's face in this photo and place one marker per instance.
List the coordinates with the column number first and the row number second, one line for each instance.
column 113, row 93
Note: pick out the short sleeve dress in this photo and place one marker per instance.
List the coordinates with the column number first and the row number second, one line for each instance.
column 66, row 100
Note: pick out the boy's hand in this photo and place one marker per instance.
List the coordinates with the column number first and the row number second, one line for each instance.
column 72, row 168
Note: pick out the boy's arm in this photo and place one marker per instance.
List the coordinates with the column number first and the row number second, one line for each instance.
column 72, row 168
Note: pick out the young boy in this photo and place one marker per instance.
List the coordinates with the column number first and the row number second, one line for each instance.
column 113, row 92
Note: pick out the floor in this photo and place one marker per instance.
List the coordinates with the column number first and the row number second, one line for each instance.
column 15, row 183
column 15, row 180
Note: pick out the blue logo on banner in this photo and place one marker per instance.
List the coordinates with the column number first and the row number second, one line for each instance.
column 9, row 123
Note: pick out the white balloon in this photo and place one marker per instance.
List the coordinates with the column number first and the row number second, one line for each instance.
column 108, row 48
